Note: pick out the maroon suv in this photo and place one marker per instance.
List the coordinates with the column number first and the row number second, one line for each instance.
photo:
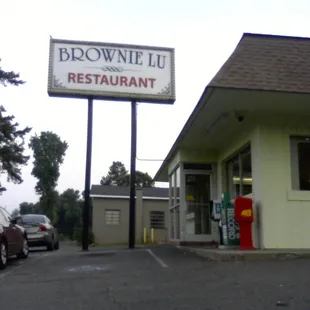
column 13, row 239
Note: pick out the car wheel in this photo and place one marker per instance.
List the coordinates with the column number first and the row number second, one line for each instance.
column 3, row 255
column 25, row 250
column 50, row 246
column 56, row 246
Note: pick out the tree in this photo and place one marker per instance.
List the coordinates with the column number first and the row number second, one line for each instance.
column 119, row 176
column 144, row 179
column 48, row 152
column 15, row 213
column 12, row 138
column 29, row 208
column 11, row 78
column 49, row 204
column 70, row 212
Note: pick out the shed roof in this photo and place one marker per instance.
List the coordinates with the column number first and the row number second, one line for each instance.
column 151, row 192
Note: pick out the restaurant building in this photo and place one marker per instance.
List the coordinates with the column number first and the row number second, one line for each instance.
column 249, row 135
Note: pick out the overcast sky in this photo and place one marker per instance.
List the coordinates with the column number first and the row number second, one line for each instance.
column 203, row 33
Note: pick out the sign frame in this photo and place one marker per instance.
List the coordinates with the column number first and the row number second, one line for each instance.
column 108, row 95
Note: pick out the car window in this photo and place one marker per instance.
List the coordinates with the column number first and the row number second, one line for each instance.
column 6, row 214
column 48, row 221
column 3, row 220
column 33, row 218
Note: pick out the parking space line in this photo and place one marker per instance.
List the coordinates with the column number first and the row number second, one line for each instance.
column 20, row 265
column 159, row 260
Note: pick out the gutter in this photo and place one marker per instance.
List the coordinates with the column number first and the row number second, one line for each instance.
column 201, row 103
column 127, row 197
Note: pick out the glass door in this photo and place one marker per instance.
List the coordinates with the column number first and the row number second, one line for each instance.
column 197, row 197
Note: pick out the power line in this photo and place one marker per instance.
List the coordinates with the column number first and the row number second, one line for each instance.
column 149, row 159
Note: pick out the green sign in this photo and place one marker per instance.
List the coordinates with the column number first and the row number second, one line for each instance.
column 230, row 228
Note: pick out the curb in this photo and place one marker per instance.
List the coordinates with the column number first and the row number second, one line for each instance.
column 239, row 256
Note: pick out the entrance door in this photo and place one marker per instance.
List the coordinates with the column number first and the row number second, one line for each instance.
column 197, row 196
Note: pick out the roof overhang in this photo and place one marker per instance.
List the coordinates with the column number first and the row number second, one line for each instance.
column 127, row 197
column 221, row 109
column 163, row 170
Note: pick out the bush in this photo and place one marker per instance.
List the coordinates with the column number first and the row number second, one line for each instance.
column 78, row 236
column 62, row 237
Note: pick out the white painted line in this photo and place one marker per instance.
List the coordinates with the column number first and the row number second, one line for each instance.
column 20, row 265
column 159, row 260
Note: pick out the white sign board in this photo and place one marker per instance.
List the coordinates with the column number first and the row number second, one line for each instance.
column 111, row 71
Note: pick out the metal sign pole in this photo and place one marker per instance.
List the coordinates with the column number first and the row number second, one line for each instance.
column 86, row 210
column 132, row 202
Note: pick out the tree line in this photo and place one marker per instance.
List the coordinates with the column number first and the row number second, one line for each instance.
column 49, row 150
column 65, row 211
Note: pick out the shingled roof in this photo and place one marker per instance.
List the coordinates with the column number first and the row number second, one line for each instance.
column 148, row 192
column 267, row 62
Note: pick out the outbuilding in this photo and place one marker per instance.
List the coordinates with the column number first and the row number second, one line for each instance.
column 249, row 135
column 110, row 214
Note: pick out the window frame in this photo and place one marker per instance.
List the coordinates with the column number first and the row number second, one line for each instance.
column 161, row 225
column 6, row 215
column 174, row 200
column 294, row 140
column 4, row 218
column 111, row 221
column 237, row 157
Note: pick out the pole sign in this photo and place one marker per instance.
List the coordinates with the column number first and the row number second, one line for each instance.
column 111, row 71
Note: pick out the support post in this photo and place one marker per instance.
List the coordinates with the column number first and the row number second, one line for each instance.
column 132, row 202
column 86, row 210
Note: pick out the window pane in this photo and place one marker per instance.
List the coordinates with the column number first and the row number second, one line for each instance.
column 172, row 223
column 197, row 193
column 177, row 222
column 246, row 173
column 178, row 184
column 112, row 217
column 6, row 214
column 157, row 219
column 32, row 219
column 172, row 189
column 198, row 166
column 234, row 177
column 2, row 219
column 304, row 166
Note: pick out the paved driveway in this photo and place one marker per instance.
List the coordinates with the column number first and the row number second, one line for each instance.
column 160, row 278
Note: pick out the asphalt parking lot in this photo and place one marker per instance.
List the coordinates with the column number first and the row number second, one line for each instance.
column 159, row 277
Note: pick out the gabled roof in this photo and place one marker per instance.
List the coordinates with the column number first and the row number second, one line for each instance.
column 116, row 191
column 259, row 62
column 267, row 62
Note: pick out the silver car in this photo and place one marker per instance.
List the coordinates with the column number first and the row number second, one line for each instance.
column 40, row 231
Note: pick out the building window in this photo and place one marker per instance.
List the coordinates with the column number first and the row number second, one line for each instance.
column 157, row 219
column 177, row 222
column 172, row 190
column 300, row 164
column 172, row 223
column 175, row 186
column 112, row 217
column 239, row 174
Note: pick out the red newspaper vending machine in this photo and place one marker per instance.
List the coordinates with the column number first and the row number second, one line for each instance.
column 244, row 216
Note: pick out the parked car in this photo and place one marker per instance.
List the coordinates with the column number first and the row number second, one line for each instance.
column 13, row 239
column 40, row 231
